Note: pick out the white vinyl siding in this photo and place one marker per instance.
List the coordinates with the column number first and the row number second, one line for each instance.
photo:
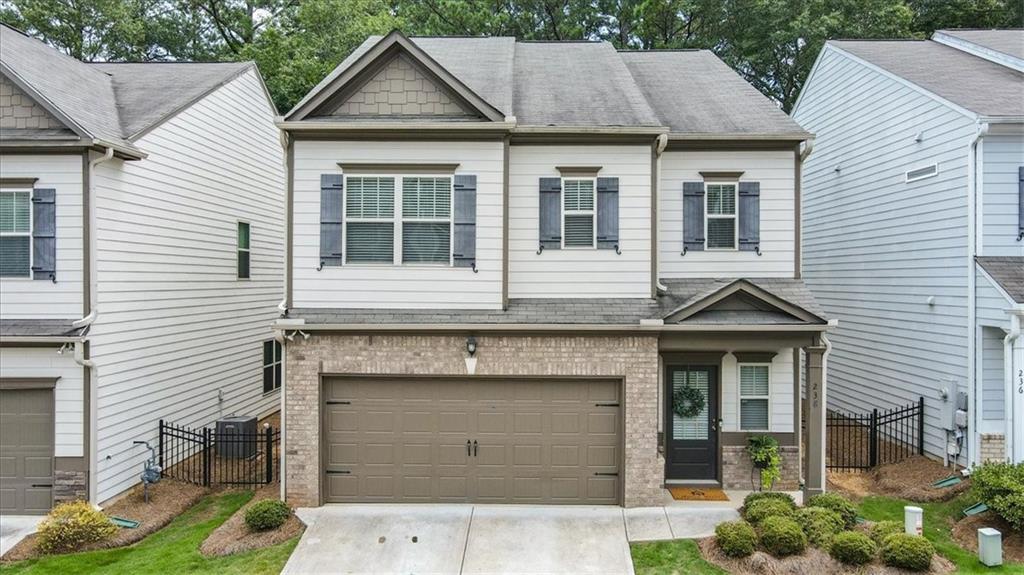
column 397, row 286
column 780, row 393
column 574, row 273
column 1002, row 157
column 755, row 396
column 68, row 395
column 773, row 170
column 720, row 214
column 16, row 233
column 876, row 248
column 578, row 213
column 178, row 337
column 26, row 298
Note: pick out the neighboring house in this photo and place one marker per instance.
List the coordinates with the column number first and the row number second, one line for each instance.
column 914, row 215
column 141, row 262
column 507, row 258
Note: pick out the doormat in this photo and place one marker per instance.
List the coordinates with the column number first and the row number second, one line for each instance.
column 698, row 494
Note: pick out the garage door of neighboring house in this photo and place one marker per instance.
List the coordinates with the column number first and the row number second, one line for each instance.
column 26, row 451
column 459, row 440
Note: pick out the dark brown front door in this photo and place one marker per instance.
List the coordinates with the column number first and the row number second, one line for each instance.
column 691, row 450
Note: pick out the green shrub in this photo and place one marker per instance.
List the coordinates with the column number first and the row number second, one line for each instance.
column 853, row 548
column 883, row 529
column 781, row 536
column 836, row 503
column 1001, row 487
column 907, row 551
column 819, row 524
column 736, row 538
column 758, row 511
column 761, row 495
column 267, row 514
column 71, row 525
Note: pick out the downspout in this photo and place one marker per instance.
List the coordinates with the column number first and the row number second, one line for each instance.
column 1008, row 404
column 973, row 167
column 662, row 143
column 283, row 450
column 824, row 412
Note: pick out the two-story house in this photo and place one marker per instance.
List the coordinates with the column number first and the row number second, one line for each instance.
column 914, row 220
column 541, row 272
column 141, row 262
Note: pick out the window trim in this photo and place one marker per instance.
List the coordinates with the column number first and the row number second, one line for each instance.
column 31, row 225
column 907, row 178
column 708, row 216
column 276, row 360
column 398, row 219
column 740, row 397
column 591, row 212
column 239, row 250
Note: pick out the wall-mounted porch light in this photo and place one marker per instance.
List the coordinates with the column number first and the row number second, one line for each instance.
column 471, row 345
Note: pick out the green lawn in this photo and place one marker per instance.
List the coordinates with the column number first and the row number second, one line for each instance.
column 172, row 550
column 938, row 521
column 679, row 557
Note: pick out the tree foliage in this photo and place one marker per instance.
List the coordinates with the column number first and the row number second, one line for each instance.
column 771, row 43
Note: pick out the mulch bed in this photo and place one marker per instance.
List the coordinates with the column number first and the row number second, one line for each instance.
column 909, row 479
column 234, row 536
column 965, row 532
column 811, row 562
column 167, row 500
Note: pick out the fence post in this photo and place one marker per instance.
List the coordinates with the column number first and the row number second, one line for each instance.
column 873, row 439
column 269, row 454
column 206, row 457
column 920, row 425
column 161, row 448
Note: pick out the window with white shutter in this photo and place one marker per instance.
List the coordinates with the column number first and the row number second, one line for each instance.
column 754, row 396
column 370, row 219
column 720, row 213
column 578, row 201
column 15, row 234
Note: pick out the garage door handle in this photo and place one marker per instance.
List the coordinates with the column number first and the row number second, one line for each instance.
column 42, row 485
column 330, row 472
column 606, row 405
column 616, row 474
column 469, row 448
column 475, row 448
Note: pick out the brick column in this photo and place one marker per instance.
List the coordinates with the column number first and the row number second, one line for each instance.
column 814, row 474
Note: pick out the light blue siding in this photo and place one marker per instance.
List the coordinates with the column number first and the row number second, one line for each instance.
column 992, row 380
column 991, row 303
column 1002, row 156
column 877, row 248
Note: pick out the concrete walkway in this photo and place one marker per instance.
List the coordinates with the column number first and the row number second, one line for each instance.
column 487, row 539
column 14, row 528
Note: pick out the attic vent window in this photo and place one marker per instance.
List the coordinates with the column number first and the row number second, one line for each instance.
column 922, row 173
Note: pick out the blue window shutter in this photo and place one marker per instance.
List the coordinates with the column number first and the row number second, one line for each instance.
column 331, row 205
column 607, row 213
column 44, row 235
column 750, row 216
column 464, row 252
column 693, row 216
column 551, row 213
column 1020, row 203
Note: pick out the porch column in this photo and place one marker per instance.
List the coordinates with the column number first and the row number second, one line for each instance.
column 814, row 474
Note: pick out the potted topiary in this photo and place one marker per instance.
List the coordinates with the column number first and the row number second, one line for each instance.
column 764, row 453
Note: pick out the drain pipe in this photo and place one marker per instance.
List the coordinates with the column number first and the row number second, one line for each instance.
column 283, row 449
column 973, row 167
column 1009, row 414
column 662, row 143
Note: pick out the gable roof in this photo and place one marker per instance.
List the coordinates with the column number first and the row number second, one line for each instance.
column 112, row 103
column 1006, row 41
column 1008, row 272
column 978, row 85
column 585, row 85
column 776, row 301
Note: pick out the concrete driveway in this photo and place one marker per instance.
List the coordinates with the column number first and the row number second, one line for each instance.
column 14, row 528
column 486, row 539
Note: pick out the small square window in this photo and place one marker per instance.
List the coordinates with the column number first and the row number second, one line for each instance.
column 243, row 250
column 271, row 366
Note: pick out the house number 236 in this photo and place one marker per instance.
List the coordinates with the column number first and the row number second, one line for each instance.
column 1020, row 381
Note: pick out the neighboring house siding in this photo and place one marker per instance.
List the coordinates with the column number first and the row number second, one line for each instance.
column 18, row 111
column 178, row 337
column 28, row 298
column 780, row 402
column 69, row 417
column 775, row 172
column 991, row 303
column 876, row 248
column 993, row 397
column 580, row 272
column 397, row 286
column 1002, row 157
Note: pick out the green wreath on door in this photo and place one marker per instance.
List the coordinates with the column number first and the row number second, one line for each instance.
column 688, row 401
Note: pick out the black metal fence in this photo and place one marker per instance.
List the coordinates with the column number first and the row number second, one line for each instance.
column 862, row 441
column 205, row 457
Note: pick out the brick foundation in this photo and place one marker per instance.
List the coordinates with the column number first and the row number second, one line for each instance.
column 993, row 447
column 70, row 485
column 737, row 467
column 633, row 359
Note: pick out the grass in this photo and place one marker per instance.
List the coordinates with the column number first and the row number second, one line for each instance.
column 938, row 526
column 173, row 549
column 679, row 557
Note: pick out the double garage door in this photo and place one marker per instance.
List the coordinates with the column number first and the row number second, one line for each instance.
column 458, row 440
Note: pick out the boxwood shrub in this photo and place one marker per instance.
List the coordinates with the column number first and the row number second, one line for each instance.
column 836, row 503
column 819, row 524
column 267, row 514
column 762, row 495
column 736, row 538
column 1001, row 487
column 72, row 525
column 883, row 529
column 853, row 548
column 761, row 509
column 781, row 536
column 906, row 551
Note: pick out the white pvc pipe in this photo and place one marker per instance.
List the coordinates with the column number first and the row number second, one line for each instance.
column 1010, row 414
column 973, row 166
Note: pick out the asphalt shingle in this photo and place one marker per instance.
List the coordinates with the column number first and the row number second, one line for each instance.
column 1008, row 272
column 1009, row 42
column 37, row 328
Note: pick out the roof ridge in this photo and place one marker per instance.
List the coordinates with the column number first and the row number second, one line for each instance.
column 656, row 50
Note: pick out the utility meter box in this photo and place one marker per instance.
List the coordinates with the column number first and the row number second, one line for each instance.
column 236, row 437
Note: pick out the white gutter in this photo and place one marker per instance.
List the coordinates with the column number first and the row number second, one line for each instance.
column 658, row 286
column 808, row 148
column 303, row 328
column 973, row 170
column 1010, row 413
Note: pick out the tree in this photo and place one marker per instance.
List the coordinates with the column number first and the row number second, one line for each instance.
column 84, row 29
column 932, row 15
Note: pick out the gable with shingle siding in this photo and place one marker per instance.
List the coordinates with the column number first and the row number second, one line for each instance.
column 18, row 111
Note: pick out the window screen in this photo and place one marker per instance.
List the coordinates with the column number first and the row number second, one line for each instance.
column 426, row 220
column 15, row 234
column 754, row 397
column 721, row 216
column 578, row 201
column 369, row 214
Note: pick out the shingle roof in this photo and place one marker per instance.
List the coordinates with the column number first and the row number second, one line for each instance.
column 37, row 328
column 794, row 291
column 981, row 86
column 111, row 102
column 694, row 92
column 1008, row 272
column 1009, row 42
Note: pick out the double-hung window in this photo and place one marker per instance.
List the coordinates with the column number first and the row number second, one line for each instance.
column 754, row 396
column 271, row 365
column 721, row 216
column 370, row 220
column 578, row 202
column 426, row 220
column 15, row 234
column 243, row 251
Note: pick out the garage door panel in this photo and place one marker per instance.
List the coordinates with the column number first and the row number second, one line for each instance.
column 602, row 456
column 419, row 422
column 528, row 422
column 492, row 422
column 453, row 422
column 26, row 450
column 565, row 455
column 565, row 423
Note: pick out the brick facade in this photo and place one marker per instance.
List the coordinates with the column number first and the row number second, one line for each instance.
column 737, row 468
column 993, row 447
column 634, row 359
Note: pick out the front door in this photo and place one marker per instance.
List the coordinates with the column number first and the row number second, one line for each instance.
column 691, row 430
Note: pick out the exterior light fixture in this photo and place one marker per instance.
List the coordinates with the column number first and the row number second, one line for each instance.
column 471, row 346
